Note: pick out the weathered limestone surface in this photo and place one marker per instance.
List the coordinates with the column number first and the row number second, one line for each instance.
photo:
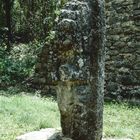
column 43, row 134
column 46, row 72
column 123, row 48
column 81, row 53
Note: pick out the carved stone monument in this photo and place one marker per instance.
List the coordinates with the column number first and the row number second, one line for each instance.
column 81, row 53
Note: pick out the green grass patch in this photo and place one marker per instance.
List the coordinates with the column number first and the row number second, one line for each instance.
column 122, row 120
column 24, row 113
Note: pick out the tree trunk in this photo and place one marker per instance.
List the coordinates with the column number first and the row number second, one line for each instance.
column 81, row 54
column 8, row 6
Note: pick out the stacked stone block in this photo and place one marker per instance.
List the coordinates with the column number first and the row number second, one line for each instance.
column 123, row 48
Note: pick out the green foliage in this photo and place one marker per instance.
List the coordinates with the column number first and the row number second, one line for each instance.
column 19, row 64
column 32, row 22
column 35, row 18
column 31, row 19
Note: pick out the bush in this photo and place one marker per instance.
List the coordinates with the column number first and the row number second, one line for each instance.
column 19, row 64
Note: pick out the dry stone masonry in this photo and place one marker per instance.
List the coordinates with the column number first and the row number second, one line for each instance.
column 123, row 49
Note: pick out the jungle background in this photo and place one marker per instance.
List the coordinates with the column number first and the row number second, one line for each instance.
column 25, row 26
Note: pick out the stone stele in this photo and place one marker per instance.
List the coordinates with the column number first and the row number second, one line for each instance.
column 80, row 41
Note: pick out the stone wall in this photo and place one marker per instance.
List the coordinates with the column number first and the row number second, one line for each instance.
column 122, row 53
column 123, row 48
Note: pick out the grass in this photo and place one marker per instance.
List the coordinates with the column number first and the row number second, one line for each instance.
column 23, row 113
column 122, row 120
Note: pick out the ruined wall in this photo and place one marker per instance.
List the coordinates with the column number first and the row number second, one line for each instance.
column 123, row 48
column 122, row 52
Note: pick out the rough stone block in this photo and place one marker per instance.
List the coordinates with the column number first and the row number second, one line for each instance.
column 44, row 134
